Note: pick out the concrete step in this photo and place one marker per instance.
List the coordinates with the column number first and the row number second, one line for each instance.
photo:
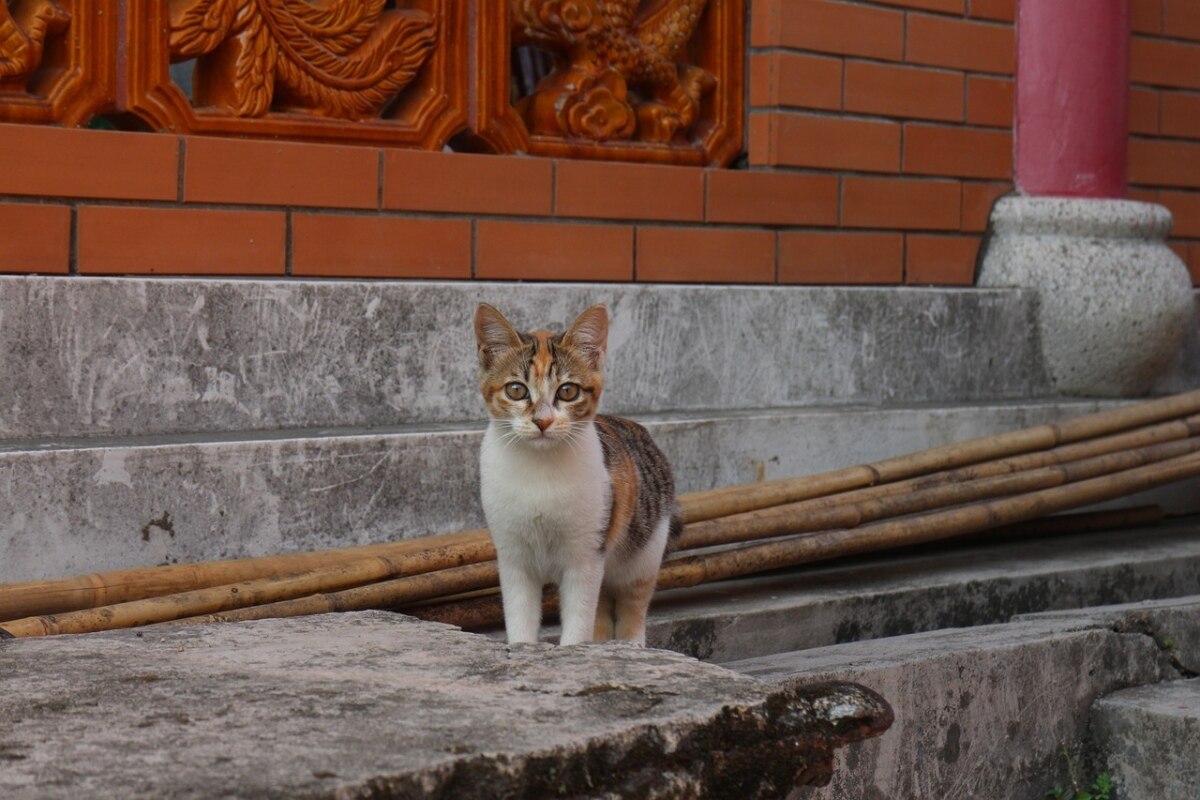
column 894, row 594
column 1148, row 740
column 97, row 504
column 985, row 711
column 137, row 356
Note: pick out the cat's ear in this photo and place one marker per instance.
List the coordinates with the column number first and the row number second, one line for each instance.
column 589, row 335
column 493, row 333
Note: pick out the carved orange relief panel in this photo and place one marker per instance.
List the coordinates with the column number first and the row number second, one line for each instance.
column 347, row 70
column 647, row 80
column 57, row 59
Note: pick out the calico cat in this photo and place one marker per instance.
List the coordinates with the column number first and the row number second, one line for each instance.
column 581, row 500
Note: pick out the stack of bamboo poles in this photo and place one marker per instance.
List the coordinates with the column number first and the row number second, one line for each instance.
column 988, row 484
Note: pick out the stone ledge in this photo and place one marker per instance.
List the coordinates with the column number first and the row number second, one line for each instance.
column 980, row 712
column 84, row 509
column 117, row 356
column 377, row 705
column 1173, row 624
column 1148, row 739
column 958, row 586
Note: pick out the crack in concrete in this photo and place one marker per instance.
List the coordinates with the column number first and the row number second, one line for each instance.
column 1142, row 623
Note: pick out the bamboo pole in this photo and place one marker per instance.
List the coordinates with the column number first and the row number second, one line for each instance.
column 1063, row 525
column 685, row 571
column 734, row 500
column 385, row 594
column 108, row 588
column 99, row 589
column 390, row 594
column 238, row 595
column 1140, row 437
column 811, row 516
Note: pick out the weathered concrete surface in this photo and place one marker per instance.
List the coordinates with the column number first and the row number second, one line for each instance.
column 980, row 712
column 381, row 706
column 117, row 356
column 128, row 503
column 1183, row 374
column 896, row 594
column 1173, row 624
column 1150, row 740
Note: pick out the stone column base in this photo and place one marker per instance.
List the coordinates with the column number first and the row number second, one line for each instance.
column 1115, row 300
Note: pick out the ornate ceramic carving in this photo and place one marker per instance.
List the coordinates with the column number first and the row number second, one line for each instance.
column 24, row 29
column 622, row 70
column 336, row 58
column 57, row 60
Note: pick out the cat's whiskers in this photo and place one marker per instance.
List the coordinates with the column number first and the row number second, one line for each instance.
column 508, row 432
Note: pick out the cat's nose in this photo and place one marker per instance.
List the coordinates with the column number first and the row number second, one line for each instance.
column 543, row 423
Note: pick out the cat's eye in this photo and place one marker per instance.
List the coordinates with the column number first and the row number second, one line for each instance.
column 568, row 392
column 516, row 391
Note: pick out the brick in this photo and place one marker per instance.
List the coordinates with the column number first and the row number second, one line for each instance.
column 1180, row 249
column 764, row 22
column 836, row 27
column 1181, row 19
column 380, row 247
column 1003, row 10
column 795, row 80
column 1185, row 208
column 254, row 172
column 1160, row 63
column 553, row 251
column 1180, row 114
column 961, row 152
column 760, row 139
column 1142, row 195
column 772, row 198
column 178, row 241
column 1145, row 16
column 900, row 203
column 990, row 101
column 763, row 83
column 943, row 6
column 903, row 91
column 800, row 140
column 1143, row 110
column 68, row 162
column 35, row 238
column 467, row 183
column 1194, row 262
column 705, row 255
column 961, row 44
column 1159, row 162
column 977, row 202
column 840, row 258
column 611, row 190
column 941, row 260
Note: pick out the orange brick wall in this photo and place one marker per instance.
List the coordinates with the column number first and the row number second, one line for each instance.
column 907, row 106
column 1164, row 116
column 879, row 136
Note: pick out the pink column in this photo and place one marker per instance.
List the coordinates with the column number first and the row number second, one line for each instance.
column 1072, row 96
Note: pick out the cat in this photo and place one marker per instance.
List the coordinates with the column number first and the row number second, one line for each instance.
column 575, row 498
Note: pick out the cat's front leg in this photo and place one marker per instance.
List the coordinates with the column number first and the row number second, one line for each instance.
column 579, row 593
column 521, row 592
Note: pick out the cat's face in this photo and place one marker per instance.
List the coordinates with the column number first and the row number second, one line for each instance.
column 542, row 388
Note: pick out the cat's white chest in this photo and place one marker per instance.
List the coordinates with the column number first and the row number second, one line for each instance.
column 546, row 507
